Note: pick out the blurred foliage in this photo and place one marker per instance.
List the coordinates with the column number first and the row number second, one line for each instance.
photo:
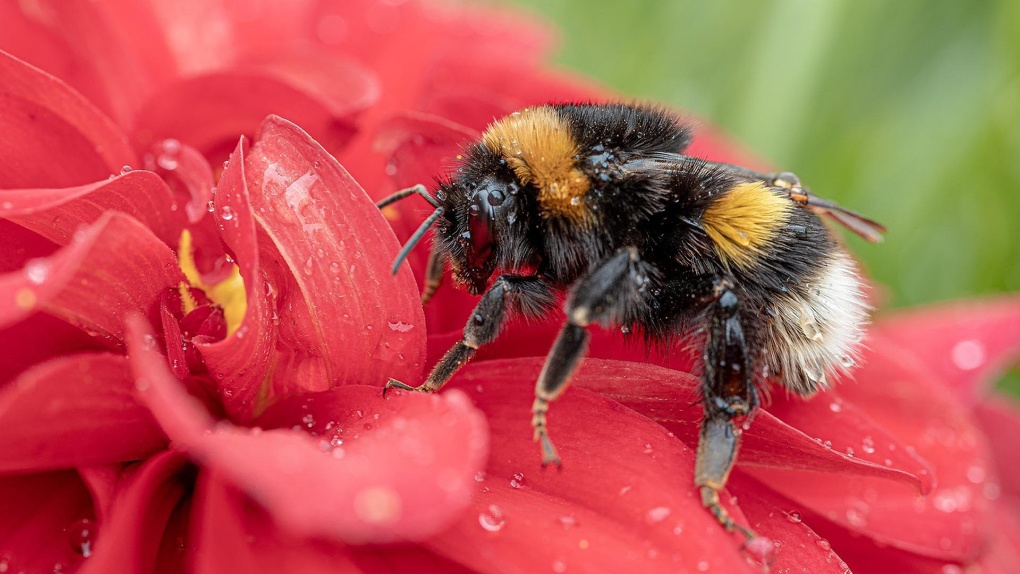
column 906, row 111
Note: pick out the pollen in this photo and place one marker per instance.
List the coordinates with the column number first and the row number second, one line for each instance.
column 537, row 144
column 229, row 293
column 744, row 220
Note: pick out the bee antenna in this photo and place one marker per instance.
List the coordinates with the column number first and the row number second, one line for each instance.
column 416, row 190
column 425, row 225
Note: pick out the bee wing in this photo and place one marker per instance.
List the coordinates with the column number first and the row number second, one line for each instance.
column 866, row 228
column 788, row 183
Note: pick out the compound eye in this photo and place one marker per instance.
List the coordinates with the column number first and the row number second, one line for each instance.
column 481, row 226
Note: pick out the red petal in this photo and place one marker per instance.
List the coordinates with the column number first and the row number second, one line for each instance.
column 356, row 493
column 102, row 482
column 41, row 513
column 240, row 363
column 43, row 120
column 999, row 417
column 624, row 500
column 120, row 46
column 36, row 339
column 327, row 253
column 232, row 534
column 73, row 411
column 130, row 541
column 57, row 214
column 901, row 398
column 116, row 266
column 965, row 345
column 797, row 546
column 20, row 245
column 209, row 112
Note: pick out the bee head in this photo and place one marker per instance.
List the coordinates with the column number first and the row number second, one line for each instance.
column 484, row 226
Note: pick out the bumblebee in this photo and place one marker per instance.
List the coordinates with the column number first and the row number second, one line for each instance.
column 598, row 202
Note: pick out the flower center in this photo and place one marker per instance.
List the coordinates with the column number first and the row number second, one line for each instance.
column 229, row 293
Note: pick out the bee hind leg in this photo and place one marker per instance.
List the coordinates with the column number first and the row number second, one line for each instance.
column 728, row 394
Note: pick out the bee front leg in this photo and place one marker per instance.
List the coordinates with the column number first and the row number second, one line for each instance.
column 610, row 294
column 728, row 394
column 529, row 295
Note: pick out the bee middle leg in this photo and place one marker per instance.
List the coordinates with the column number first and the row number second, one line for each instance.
column 728, row 394
column 609, row 294
column 529, row 295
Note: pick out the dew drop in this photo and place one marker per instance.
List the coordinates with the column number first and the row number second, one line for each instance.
column 648, row 448
column 567, row 521
column 517, row 481
column 81, row 535
column 37, row 270
column 823, row 544
column 976, row 474
column 480, row 476
column 124, row 169
column 227, row 213
column 210, row 206
column 968, row 355
column 835, row 407
column 657, row 514
column 492, row 519
column 309, row 420
column 334, row 268
column 794, row 517
column 761, row 551
column 400, row 326
column 849, row 451
column 868, row 445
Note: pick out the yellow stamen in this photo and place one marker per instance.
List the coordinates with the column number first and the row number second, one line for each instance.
column 229, row 294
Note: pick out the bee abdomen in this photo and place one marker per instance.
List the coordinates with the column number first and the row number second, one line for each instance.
column 816, row 331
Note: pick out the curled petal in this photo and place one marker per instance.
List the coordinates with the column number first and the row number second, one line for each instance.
column 241, row 362
column 965, row 345
column 356, row 492
column 74, row 411
column 232, row 534
column 57, row 214
column 328, row 253
column 113, row 268
column 43, row 119
column 129, row 542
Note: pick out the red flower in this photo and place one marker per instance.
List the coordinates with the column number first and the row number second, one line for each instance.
column 273, row 311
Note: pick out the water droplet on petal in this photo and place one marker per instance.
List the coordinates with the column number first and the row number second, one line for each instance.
column 567, row 521
column 794, row 517
column 227, row 213
column 657, row 514
column 81, row 535
column 868, row 445
column 492, row 519
column 823, row 544
column 761, row 551
column 400, row 326
column 968, row 355
column 37, row 270
column 518, row 480
column 835, row 407
column 124, row 169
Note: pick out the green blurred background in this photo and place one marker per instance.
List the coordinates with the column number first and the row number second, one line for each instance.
column 907, row 111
